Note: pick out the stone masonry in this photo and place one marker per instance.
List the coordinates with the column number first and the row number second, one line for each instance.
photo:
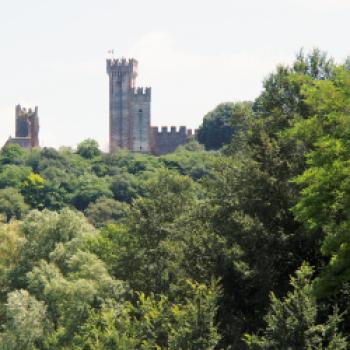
column 27, row 128
column 130, row 114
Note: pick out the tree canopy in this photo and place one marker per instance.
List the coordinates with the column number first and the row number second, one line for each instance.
column 239, row 241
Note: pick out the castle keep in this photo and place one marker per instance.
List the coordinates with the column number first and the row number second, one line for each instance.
column 27, row 128
column 130, row 114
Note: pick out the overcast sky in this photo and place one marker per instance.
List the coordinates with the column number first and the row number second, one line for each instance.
column 194, row 54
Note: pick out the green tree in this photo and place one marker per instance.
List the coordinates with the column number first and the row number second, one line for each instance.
column 88, row 189
column 32, row 190
column 194, row 326
column 12, row 242
column 12, row 204
column 169, row 196
column 25, row 322
column 44, row 232
column 248, row 205
column 88, row 149
column 13, row 154
column 292, row 322
column 323, row 206
column 13, row 175
column 125, row 187
column 105, row 211
column 220, row 124
column 152, row 322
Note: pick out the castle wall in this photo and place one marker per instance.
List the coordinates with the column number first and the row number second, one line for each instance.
column 165, row 141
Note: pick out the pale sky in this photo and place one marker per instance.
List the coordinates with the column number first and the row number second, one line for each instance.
column 194, row 54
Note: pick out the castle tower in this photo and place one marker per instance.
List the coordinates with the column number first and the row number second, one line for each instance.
column 129, row 108
column 27, row 128
column 27, row 125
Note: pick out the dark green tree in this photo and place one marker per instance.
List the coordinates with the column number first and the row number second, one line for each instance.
column 220, row 124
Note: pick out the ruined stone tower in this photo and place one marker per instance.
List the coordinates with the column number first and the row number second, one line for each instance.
column 129, row 108
column 27, row 128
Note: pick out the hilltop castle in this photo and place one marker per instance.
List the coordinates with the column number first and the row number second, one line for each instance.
column 130, row 114
column 27, row 128
column 129, row 117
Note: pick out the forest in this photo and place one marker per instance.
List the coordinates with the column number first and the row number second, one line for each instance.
column 238, row 240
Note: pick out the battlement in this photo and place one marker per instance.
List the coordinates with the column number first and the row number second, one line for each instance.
column 24, row 112
column 182, row 130
column 166, row 140
column 115, row 65
column 140, row 91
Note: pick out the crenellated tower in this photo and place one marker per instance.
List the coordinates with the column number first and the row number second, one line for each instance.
column 27, row 125
column 27, row 128
column 129, row 108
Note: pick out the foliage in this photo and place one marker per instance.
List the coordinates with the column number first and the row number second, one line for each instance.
column 125, row 187
column 324, row 197
column 220, row 124
column 13, row 175
column 32, row 189
column 25, row 322
column 105, row 211
column 88, row 189
column 12, row 154
column 292, row 322
column 12, row 242
column 121, row 249
column 12, row 204
column 154, row 323
column 88, row 149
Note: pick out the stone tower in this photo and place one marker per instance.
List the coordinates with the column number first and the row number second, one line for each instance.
column 27, row 125
column 27, row 128
column 129, row 108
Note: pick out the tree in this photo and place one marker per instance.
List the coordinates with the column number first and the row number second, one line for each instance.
column 324, row 200
column 32, row 190
column 292, row 322
column 195, row 163
column 195, row 326
column 220, row 124
column 125, row 187
column 56, row 266
column 25, row 322
column 13, row 175
column 105, row 211
column 249, row 200
column 13, row 154
column 12, row 204
column 151, row 244
column 152, row 322
column 12, row 241
column 88, row 149
column 44, row 232
column 88, row 189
